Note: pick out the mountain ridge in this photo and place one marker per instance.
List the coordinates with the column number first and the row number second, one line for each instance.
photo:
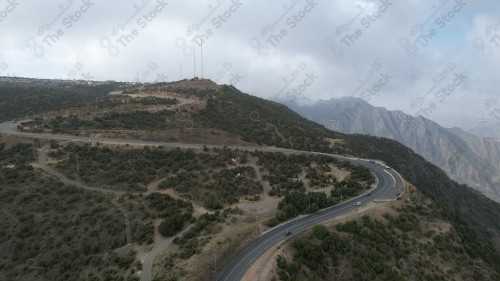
column 466, row 158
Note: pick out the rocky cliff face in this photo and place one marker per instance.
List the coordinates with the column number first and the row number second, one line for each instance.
column 464, row 157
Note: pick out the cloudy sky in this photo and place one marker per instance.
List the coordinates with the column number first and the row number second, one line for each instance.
column 439, row 59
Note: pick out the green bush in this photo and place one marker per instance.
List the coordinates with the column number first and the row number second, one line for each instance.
column 272, row 222
column 170, row 226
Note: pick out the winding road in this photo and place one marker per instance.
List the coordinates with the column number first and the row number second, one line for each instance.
column 390, row 185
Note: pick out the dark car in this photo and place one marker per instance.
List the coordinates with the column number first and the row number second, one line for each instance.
column 288, row 233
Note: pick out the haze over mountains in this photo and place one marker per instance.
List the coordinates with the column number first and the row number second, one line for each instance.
column 488, row 130
column 466, row 158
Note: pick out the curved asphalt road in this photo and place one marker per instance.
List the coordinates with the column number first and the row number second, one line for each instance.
column 388, row 187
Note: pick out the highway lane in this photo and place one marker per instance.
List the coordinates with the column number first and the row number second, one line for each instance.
column 389, row 184
column 249, row 255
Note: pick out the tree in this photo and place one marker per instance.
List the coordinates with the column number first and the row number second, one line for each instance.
column 281, row 215
column 272, row 222
column 290, row 210
column 171, row 225
column 320, row 231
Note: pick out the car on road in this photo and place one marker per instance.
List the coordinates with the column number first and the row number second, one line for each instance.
column 288, row 233
column 368, row 194
column 357, row 203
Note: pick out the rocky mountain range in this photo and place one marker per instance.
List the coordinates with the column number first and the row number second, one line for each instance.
column 465, row 157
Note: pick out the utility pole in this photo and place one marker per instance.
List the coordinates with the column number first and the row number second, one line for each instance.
column 77, row 165
column 127, row 229
column 215, row 259
column 309, row 195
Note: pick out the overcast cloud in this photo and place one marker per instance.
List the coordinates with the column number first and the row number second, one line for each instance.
column 405, row 51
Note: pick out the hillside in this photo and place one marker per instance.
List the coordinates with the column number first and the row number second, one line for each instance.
column 412, row 240
column 52, row 231
column 201, row 107
column 30, row 98
column 466, row 158
column 199, row 111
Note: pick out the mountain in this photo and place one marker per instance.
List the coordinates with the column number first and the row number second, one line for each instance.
column 487, row 130
column 198, row 112
column 466, row 158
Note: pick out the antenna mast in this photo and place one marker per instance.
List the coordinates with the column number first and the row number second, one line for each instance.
column 201, row 60
column 194, row 64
